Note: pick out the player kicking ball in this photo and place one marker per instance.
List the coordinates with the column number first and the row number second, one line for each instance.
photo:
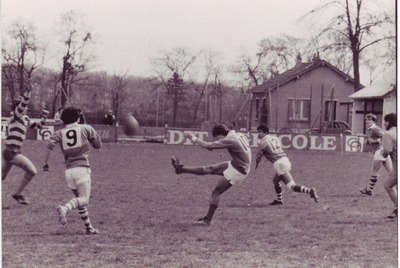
column 271, row 147
column 75, row 141
column 232, row 171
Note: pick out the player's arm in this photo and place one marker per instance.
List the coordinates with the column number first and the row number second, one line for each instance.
column 376, row 134
column 221, row 144
column 54, row 140
column 18, row 113
column 41, row 123
column 94, row 138
column 261, row 152
column 387, row 144
column 259, row 157
column 195, row 140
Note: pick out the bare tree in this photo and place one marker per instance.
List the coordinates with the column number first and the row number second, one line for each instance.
column 279, row 54
column 354, row 26
column 210, row 58
column 21, row 55
column 219, row 90
column 119, row 85
column 172, row 68
column 76, row 39
column 249, row 70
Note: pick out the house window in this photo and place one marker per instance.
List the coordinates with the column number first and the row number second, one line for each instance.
column 330, row 110
column 299, row 109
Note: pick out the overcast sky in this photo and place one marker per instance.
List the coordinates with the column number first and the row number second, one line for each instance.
column 131, row 31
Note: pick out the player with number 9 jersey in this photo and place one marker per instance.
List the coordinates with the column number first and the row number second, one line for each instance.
column 75, row 141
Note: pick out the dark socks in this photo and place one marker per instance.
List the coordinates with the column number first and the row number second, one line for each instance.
column 211, row 211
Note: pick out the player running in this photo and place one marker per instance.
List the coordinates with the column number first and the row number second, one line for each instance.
column 389, row 144
column 75, row 141
column 271, row 147
column 375, row 134
column 232, row 171
column 12, row 156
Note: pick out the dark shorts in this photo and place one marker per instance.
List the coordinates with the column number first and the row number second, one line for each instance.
column 10, row 153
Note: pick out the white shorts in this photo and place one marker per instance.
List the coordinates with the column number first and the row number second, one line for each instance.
column 378, row 155
column 282, row 166
column 77, row 175
column 233, row 175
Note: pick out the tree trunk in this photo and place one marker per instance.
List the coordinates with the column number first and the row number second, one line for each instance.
column 356, row 70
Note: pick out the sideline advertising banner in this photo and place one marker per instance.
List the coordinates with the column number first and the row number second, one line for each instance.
column 348, row 143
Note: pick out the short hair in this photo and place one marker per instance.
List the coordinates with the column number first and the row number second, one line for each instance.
column 220, row 129
column 370, row 117
column 264, row 128
column 70, row 115
column 391, row 119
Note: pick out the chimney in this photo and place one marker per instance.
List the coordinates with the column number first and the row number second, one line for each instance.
column 298, row 60
column 316, row 57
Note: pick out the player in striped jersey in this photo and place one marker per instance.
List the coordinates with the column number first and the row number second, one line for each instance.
column 75, row 141
column 12, row 156
column 271, row 147
column 389, row 145
column 232, row 171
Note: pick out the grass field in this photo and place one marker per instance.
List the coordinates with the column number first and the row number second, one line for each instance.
column 145, row 213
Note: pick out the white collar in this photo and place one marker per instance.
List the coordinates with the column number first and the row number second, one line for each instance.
column 230, row 133
column 71, row 125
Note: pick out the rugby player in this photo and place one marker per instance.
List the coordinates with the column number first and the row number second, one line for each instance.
column 232, row 171
column 271, row 147
column 375, row 134
column 12, row 156
column 389, row 147
column 75, row 141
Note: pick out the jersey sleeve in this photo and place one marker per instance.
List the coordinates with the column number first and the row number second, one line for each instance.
column 93, row 137
column 220, row 144
column 54, row 140
column 262, row 146
column 18, row 113
column 376, row 133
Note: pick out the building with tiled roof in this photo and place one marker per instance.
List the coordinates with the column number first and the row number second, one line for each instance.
column 303, row 97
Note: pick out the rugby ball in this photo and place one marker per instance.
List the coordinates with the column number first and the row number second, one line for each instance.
column 131, row 125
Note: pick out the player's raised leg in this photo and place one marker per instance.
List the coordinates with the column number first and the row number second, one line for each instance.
column 217, row 169
column 288, row 179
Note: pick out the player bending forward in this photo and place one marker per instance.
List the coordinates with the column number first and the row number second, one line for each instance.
column 75, row 140
column 271, row 148
column 232, row 171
